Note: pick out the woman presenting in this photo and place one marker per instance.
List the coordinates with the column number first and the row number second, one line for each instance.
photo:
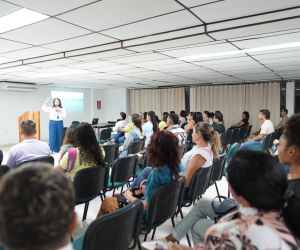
column 56, row 126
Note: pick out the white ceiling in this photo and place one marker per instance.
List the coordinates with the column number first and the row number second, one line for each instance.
column 136, row 43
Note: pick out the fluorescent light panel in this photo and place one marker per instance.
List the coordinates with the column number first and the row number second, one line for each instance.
column 236, row 52
column 19, row 19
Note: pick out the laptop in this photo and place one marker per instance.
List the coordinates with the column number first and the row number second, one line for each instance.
column 95, row 121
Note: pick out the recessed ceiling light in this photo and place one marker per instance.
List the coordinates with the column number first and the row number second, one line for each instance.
column 19, row 19
column 242, row 51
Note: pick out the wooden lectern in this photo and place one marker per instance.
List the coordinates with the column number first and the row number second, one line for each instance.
column 33, row 116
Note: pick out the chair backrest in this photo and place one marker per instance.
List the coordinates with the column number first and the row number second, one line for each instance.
column 199, row 184
column 88, row 183
column 105, row 134
column 116, row 230
column 1, row 156
column 181, row 151
column 235, row 135
column 278, row 133
column 136, row 146
column 228, row 137
column 243, row 131
column 248, row 132
column 163, row 203
column 48, row 159
column 3, row 170
column 111, row 152
column 218, row 168
column 267, row 142
column 123, row 169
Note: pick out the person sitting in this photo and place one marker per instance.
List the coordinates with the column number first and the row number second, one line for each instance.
column 173, row 126
column 163, row 123
column 69, row 141
column 87, row 154
column 118, row 128
column 30, row 148
column 36, row 209
column 266, row 128
column 211, row 118
column 289, row 153
column 284, row 117
column 193, row 119
column 182, row 117
column 266, row 206
column 135, row 134
column 150, row 126
column 218, row 123
column 163, row 154
column 206, row 116
column 243, row 122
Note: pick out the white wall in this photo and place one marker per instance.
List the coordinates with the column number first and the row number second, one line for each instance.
column 113, row 101
column 15, row 103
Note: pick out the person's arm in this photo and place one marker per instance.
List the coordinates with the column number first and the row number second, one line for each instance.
column 239, row 124
column 11, row 161
column 63, row 163
column 194, row 164
column 130, row 198
column 63, row 112
column 257, row 138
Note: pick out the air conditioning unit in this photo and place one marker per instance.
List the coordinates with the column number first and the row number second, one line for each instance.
column 17, row 86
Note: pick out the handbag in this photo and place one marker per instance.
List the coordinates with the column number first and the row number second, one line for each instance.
column 226, row 206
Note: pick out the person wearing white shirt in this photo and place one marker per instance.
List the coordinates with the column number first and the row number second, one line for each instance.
column 56, row 126
column 119, row 127
column 149, row 127
column 266, row 128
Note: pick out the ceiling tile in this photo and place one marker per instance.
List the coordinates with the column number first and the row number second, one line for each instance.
column 7, row 8
column 29, row 53
column 6, row 46
column 192, row 3
column 47, row 31
column 108, row 14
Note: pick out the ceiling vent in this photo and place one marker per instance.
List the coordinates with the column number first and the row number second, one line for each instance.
column 17, row 86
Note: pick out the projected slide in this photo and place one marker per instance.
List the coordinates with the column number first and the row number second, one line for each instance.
column 71, row 101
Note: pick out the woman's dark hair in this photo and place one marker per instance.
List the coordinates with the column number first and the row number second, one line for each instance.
column 247, row 115
column 219, row 116
column 164, row 149
column 70, row 136
column 211, row 115
column 123, row 115
column 157, row 119
column 53, row 104
column 257, row 177
column 172, row 112
column 136, row 120
column 90, row 152
column 153, row 120
column 197, row 117
column 182, row 113
column 291, row 131
column 145, row 116
column 165, row 116
column 206, row 112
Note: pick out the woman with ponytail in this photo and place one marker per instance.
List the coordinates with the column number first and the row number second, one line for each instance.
column 150, row 126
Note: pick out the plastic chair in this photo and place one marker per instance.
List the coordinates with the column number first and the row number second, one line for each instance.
column 1, row 156
column 217, row 171
column 88, row 184
column 162, row 206
column 123, row 170
column 48, row 159
column 115, row 231
column 226, row 138
column 135, row 146
column 278, row 133
column 111, row 152
column 267, row 142
column 248, row 132
column 104, row 135
column 3, row 170
column 198, row 186
column 242, row 135
column 235, row 135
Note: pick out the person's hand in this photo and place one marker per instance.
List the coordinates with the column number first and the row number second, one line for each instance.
column 249, row 140
column 128, row 195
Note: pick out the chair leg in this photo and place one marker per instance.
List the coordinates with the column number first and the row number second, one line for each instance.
column 86, row 207
column 114, row 191
column 188, row 240
column 217, row 191
column 173, row 222
column 154, row 230
column 181, row 213
column 145, row 238
column 139, row 244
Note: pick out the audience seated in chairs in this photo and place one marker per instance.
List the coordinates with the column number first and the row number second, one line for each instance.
column 163, row 153
column 29, row 149
column 243, row 122
column 266, row 207
column 218, row 123
column 36, row 209
column 69, row 140
column 150, row 126
column 87, row 154
column 193, row 119
column 118, row 129
column 182, row 117
column 266, row 128
column 135, row 134
column 206, row 116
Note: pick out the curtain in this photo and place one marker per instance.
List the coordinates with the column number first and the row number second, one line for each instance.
column 158, row 100
column 232, row 100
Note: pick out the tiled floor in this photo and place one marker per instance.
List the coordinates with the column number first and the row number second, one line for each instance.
column 94, row 206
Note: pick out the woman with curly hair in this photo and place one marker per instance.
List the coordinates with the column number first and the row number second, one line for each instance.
column 163, row 154
column 87, row 154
